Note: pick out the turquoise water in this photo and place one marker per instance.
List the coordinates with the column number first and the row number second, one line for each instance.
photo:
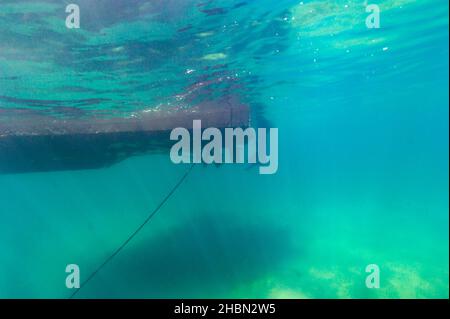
column 363, row 159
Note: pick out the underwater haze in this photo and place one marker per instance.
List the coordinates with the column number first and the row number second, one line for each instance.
column 363, row 174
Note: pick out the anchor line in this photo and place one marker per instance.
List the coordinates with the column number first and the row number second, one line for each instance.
column 138, row 229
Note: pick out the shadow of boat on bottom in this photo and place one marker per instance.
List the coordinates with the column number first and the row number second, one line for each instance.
column 207, row 258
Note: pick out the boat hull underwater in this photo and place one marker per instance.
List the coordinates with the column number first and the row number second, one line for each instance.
column 43, row 143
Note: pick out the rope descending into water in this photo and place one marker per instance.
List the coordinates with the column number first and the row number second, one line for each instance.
column 149, row 217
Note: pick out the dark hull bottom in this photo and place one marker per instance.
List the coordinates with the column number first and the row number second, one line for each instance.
column 42, row 144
